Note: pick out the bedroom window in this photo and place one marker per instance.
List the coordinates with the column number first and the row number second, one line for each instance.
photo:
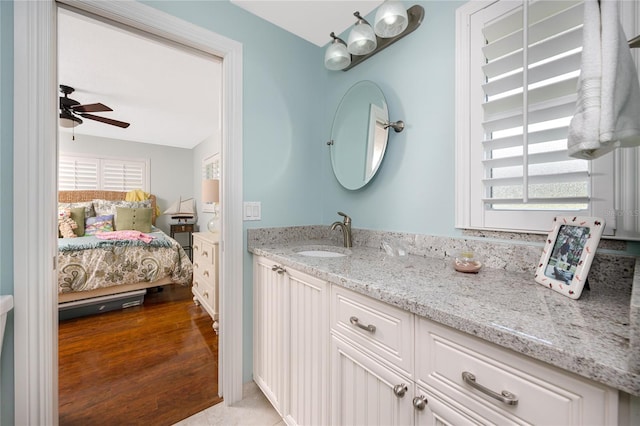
column 515, row 96
column 111, row 174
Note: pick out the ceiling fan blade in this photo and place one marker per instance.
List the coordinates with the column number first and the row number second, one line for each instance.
column 91, row 108
column 106, row 120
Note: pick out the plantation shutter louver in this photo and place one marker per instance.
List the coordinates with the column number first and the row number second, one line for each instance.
column 122, row 175
column 531, row 74
column 111, row 174
column 75, row 173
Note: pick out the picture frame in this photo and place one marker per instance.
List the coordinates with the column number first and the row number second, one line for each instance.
column 568, row 252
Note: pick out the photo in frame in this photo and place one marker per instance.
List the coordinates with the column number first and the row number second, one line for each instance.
column 568, row 253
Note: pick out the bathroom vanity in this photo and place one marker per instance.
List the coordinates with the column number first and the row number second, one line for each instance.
column 366, row 338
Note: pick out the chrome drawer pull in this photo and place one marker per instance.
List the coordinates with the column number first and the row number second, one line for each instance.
column 419, row 402
column 400, row 390
column 505, row 397
column 370, row 328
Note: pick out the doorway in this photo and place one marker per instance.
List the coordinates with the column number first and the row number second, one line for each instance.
column 35, row 173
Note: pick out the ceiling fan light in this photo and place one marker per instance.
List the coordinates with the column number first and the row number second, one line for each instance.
column 336, row 56
column 391, row 19
column 68, row 120
column 362, row 39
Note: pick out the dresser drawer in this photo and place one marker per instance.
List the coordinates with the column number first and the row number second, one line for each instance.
column 382, row 330
column 544, row 394
column 204, row 290
column 203, row 258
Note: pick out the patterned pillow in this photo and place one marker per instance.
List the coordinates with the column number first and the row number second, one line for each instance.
column 103, row 207
column 88, row 207
column 93, row 225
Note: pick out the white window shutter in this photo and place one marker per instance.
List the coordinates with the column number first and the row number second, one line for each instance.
column 111, row 174
column 522, row 83
column 78, row 173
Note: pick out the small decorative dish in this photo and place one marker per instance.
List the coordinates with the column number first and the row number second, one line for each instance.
column 467, row 263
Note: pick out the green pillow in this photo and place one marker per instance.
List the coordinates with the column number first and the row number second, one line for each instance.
column 77, row 214
column 137, row 219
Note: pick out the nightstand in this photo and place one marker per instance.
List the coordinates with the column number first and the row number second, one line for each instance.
column 180, row 228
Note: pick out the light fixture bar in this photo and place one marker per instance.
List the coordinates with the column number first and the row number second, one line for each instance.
column 415, row 14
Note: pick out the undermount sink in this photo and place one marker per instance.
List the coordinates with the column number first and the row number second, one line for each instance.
column 323, row 251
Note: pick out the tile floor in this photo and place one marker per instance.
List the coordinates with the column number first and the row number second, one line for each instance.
column 254, row 409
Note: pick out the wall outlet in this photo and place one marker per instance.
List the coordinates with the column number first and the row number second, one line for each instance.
column 252, row 210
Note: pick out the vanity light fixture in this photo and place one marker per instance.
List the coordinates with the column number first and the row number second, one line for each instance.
column 392, row 23
column 336, row 56
column 362, row 39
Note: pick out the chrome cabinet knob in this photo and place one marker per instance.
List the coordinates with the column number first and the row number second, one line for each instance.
column 419, row 402
column 400, row 390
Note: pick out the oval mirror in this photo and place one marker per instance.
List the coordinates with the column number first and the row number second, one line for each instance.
column 358, row 135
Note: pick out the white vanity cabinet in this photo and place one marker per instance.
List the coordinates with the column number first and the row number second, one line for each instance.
column 291, row 341
column 205, row 273
column 324, row 354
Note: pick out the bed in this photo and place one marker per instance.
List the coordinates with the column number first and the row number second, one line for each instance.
column 91, row 266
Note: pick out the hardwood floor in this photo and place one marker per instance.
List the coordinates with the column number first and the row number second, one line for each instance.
column 154, row 364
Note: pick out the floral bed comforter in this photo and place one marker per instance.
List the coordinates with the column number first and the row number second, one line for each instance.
column 87, row 263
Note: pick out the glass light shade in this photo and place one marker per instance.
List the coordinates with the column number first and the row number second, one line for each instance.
column 68, row 121
column 336, row 56
column 362, row 39
column 391, row 19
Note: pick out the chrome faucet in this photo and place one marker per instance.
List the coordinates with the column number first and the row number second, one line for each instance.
column 345, row 226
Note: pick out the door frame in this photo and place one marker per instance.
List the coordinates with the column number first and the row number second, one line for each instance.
column 35, row 191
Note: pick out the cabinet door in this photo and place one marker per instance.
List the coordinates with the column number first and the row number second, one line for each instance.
column 430, row 410
column 308, row 395
column 362, row 390
column 270, row 336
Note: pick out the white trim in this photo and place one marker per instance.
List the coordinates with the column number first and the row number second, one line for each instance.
column 34, row 190
column 35, row 126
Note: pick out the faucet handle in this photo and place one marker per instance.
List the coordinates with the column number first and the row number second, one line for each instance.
column 347, row 219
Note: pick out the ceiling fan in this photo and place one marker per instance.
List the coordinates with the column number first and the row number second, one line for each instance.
column 70, row 109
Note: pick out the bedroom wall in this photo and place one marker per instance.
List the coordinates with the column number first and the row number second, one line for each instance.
column 170, row 168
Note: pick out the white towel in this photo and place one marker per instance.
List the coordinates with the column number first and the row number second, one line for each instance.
column 608, row 107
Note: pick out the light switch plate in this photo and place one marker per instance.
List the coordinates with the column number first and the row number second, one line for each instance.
column 252, row 210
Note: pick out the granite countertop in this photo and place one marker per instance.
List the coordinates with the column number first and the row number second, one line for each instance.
column 589, row 336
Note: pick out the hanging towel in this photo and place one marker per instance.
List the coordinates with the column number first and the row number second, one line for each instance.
column 608, row 106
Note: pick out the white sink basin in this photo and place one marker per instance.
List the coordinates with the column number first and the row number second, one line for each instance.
column 321, row 253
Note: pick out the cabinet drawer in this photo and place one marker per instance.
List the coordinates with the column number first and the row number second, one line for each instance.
column 392, row 338
column 545, row 395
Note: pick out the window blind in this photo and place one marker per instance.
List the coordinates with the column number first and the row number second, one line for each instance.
column 76, row 173
column 530, row 75
column 112, row 174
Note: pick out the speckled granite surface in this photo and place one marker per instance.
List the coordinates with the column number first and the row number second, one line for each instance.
column 501, row 304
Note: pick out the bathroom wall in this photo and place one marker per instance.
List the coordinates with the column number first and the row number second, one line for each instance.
column 413, row 190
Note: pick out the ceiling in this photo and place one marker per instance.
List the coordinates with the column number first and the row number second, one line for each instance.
column 170, row 95
column 312, row 20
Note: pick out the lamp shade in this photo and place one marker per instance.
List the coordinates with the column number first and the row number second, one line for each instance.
column 391, row 19
column 362, row 39
column 336, row 56
column 210, row 191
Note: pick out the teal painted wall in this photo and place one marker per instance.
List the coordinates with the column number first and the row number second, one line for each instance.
column 283, row 141
column 6, row 202
column 413, row 190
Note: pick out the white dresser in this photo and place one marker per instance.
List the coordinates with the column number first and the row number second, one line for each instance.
column 205, row 273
